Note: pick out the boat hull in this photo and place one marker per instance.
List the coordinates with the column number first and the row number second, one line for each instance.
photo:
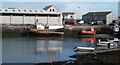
column 46, row 32
column 83, row 49
column 88, row 32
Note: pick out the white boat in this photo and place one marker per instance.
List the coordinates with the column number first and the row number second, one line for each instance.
column 116, row 28
column 83, row 49
column 103, row 42
column 107, row 42
column 47, row 28
column 114, row 40
column 50, row 23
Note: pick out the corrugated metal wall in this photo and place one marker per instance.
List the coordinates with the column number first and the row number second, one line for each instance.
column 16, row 19
column 30, row 20
column 5, row 19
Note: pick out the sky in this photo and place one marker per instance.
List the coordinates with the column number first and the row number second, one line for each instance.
column 60, row 0
column 79, row 7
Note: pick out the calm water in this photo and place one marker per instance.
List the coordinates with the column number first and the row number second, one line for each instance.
column 44, row 49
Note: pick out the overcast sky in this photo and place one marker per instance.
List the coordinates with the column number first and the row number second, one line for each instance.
column 80, row 7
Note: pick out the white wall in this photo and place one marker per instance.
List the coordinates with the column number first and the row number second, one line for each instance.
column 5, row 19
column 111, row 17
column 16, row 19
column 55, row 10
column 42, row 20
column 29, row 19
column 54, row 21
column 51, row 20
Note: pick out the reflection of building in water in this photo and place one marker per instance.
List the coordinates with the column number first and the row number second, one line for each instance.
column 51, row 48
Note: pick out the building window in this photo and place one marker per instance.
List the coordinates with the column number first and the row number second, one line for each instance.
column 50, row 10
column 30, row 10
column 19, row 10
column 71, row 17
column 6, row 10
column 53, row 10
column 13, row 10
column 35, row 10
column 24, row 10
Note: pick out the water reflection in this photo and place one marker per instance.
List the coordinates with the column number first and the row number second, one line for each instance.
column 51, row 48
column 90, row 40
column 44, row 49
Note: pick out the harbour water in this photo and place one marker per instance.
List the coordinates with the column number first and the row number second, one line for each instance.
column 42, row 49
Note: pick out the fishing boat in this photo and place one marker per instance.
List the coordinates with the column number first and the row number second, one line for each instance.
column 46, row 29
column 83, row 49
column 88, row 31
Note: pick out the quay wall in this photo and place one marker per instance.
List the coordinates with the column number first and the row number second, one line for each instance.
column 12, row 30
column 17, row 30
column 75, row 30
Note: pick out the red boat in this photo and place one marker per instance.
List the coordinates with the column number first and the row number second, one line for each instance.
column 88, row 31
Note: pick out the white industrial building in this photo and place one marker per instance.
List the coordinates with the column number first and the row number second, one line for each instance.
column 49, row 15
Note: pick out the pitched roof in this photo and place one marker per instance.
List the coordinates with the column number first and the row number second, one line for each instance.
column 47, row 7
column 97, row 13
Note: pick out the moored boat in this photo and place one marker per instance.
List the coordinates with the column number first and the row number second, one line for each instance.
column 83, row 49
column 114, row 40
column 46, row 29
column 107, row 42
column 88, row 31
column 116, row 30
column 103, row 42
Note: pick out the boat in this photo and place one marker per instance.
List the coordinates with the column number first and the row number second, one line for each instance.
column 114, row 40
column 88, row 31
column 103, row 42
column 45, row 29
column 115, row 30
column 83, row 49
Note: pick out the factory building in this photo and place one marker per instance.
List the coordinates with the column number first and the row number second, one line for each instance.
column 50, row 15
